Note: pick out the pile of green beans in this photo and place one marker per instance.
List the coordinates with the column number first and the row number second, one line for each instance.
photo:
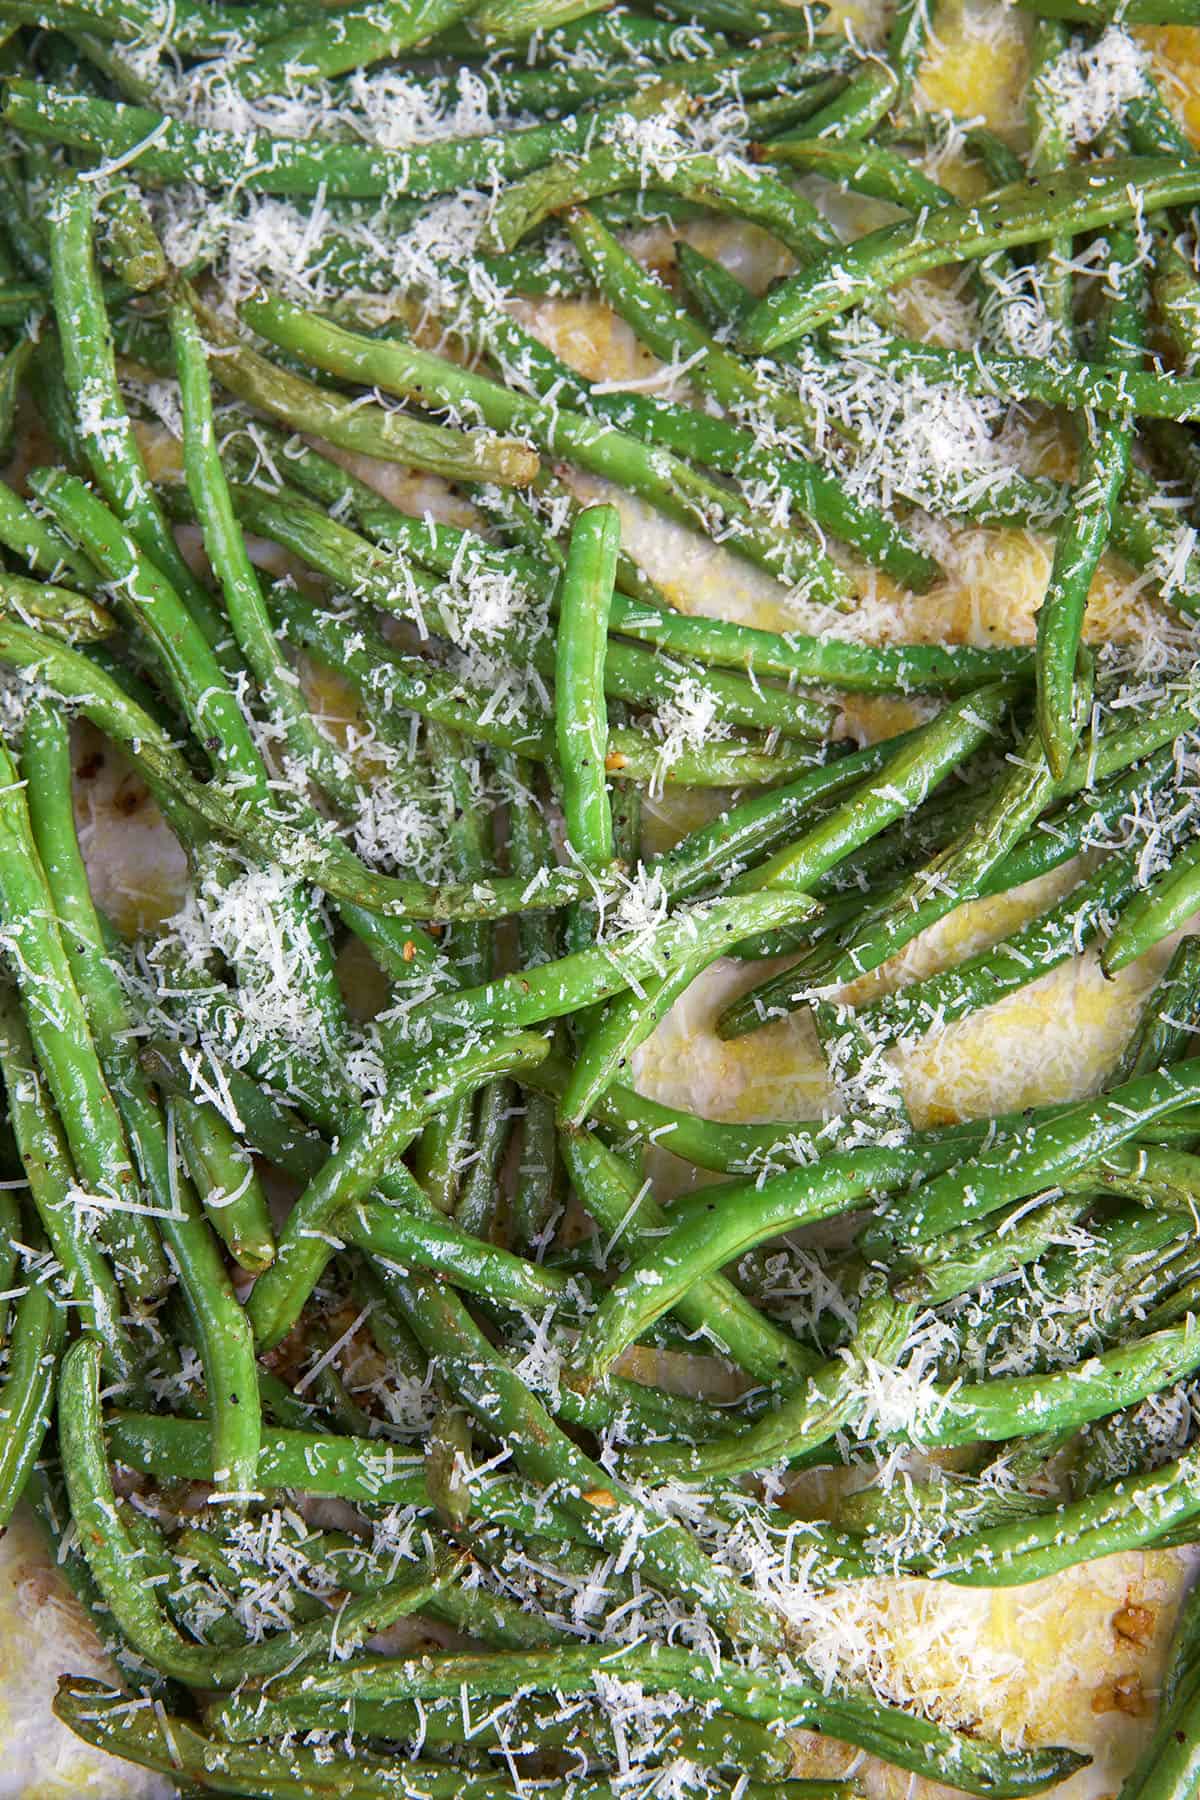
column 490, row 706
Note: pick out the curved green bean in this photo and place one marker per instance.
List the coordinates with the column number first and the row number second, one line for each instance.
column 1072, row 201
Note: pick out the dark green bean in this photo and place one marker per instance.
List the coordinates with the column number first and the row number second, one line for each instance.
column 970, row 1764
column 1073, row 201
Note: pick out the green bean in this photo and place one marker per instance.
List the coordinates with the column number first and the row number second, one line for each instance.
column 87, row 362
column 40, row 547
column 1131, row 1513
column 1102, row 12
column 789, row 71
column 26, row 234
column 1165, row 1766
column 143, row 1734
column 14, row 365
column 1052, row 146
column 864, row 103
column 838, row 856
column 1174, row 452
column 660, row 478
column 227, row 1182
column 619, row 38
column 961, row 870
column 994, row 1410
column 34, row 1342
column 22, row 303
column 724, row 1147
column 227, row 552
column 445, row 1143
column 671, row 332
column 915, row 668
column 381, row 576
column 149, row 601
column 581, row 717
column 536, row 1199
column 863, row 168
column 945, row 1416
column 1074, row 201
column 516, row 21
column 971, row 1256
column 1145, row 536
column 608, row 1047
column 71, row 616
column 379, row 431
column 741, row 18
column 1155, row 912
column 970, row 1764
column 1101, row 386
column 119, row 69
column 331, row 1562
column 1026, row 1161
column 388, row 1233
column 66, row 1050
column 855, row 1064
column 128, row 244
column 385, row 681
column 1134, row 1254
column 139, row 1732
column 736, row 839
column 385, row 574
column 226, row 1348
column 980, row 979
column 531, row 996
column 154, row 608
column 520, row 1728
column 644, row 679
column 361, row 1158
column 184, row 1594
column 266, row 1124
column 337, row 1467
column 1104, row 464
column 712, row 1306
column 933, row 1509
column 907, row 41
column 194, row 28
column 251, row 621
column 479, row 1198
column 925, row 760
column 719, row 1225
column 360, row 35
column 1176, row 298
column 1169, row 1017
column 276, row 165
column 10, row 1236
column 47, row 1164
column 716, row 182
column 275, row 464
column 1016, row 499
